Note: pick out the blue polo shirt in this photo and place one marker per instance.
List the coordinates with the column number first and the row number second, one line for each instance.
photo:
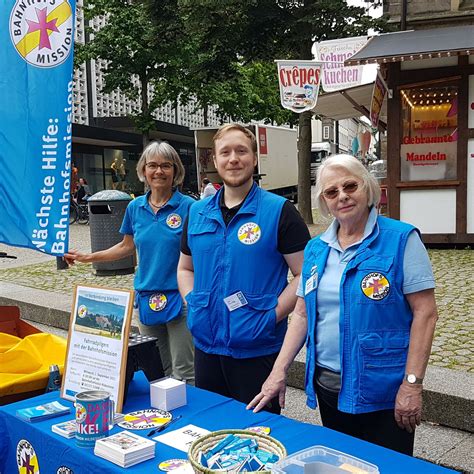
column 417, row 276
column 157, row 239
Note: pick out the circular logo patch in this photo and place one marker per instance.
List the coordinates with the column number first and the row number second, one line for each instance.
column 259, row 429
column 82, row 311
column 42, row 32
column 26, row 459
column 81, row 413
column 249, row 233
column 64, row 470
column 145, row 419
column 157, row 301
column 172, row 464
column 174, row 221
column 375, row 286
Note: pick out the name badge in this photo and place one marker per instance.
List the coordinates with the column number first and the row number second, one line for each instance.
column 311, row 284
column 235, row 301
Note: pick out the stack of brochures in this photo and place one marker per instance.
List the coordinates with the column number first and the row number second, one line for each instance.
column 66, row 428
column 125, row 449
column 42, row 412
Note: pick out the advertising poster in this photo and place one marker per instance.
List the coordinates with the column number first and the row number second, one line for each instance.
column 36, row 107
column 333, row 53
column 299, row 84
column 378, row 96
column 427, row 160
column 98, row 342
column 429, row 143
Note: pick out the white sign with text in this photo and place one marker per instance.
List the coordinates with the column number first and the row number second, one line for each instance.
column 98, row 342
column 182, row 438
column 333, row 53
column 299, row 84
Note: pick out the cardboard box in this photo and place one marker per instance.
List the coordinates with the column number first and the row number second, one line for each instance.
column 10, row 323
column 167, row 394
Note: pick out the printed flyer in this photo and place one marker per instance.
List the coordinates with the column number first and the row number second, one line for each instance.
column 98, row 342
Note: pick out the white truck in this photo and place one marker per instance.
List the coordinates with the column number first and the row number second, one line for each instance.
column 319, row 151
column 277, row 163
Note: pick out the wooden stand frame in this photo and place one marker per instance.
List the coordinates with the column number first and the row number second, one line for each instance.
column 398, row 79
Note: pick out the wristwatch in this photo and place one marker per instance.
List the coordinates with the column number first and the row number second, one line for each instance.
column 412, row 379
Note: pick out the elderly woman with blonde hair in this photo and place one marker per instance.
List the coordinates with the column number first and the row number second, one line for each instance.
column 152, row 226
column 367, row 312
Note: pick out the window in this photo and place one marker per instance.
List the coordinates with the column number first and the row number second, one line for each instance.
column 428, row 149
column 326, row 132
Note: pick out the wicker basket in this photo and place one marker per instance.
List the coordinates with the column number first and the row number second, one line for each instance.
column 205, row 443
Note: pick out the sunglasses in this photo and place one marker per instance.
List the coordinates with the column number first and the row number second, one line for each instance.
column 348, row 188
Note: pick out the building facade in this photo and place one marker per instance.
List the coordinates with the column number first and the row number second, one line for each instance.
column 340, row 135
column 424, row 14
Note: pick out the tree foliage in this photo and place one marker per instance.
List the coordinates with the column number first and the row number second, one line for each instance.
column 252, row 94
column 139, row 52
column 213, row 52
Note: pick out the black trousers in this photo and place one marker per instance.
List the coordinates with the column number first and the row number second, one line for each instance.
column 378, row 427
column 240, row 379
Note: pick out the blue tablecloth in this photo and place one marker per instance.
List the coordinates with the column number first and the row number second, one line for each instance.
column 204, row 409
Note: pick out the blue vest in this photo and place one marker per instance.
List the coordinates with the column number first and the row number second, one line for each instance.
column 375, row 319
column 242, row 257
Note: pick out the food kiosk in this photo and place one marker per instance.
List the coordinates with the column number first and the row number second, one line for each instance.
column 430, row 128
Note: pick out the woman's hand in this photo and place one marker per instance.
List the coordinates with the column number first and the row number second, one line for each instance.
column 409, row 397
column 408, row 406
column 273, row 386
column 294, row 340
column 73, row 255
column 123, row 249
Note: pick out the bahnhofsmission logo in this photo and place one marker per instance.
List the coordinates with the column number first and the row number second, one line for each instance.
column 42, row 31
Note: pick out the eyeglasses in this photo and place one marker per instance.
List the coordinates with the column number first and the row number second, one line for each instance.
column 152, row 166
column 348, row 188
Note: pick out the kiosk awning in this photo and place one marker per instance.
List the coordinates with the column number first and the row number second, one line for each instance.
column 419, row 44
column 348, row 103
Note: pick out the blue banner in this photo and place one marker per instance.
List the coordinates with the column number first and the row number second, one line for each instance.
column 36, row 106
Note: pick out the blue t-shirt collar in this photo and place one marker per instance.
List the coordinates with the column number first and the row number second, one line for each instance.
column 173, row 202
column 330, row 235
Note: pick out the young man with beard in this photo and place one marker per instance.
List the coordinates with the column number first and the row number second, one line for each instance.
column 236, row 249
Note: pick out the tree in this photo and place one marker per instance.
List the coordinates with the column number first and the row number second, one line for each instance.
column 252, row 94
column 252, row 32
column 139, row 52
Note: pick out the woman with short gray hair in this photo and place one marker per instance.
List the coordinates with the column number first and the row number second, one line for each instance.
column 152, row 226
column 165, row 150
column 367, row 312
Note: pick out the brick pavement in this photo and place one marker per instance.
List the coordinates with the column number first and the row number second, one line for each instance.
column 453, row 346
